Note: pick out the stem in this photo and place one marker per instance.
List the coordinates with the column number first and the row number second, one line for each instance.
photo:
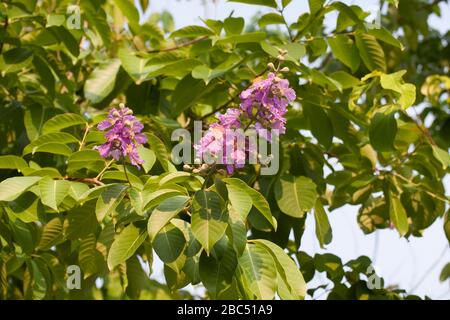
column 98, row 177
column 291, row 37
column 84, row 137
column 125, row 171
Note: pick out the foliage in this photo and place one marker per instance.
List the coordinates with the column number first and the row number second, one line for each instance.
column 62, row 204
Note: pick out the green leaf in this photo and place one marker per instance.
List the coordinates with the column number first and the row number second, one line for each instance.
column 445, row 273
column 270, row 18
column 240, row 200
column 258, row 272
column 267, row 3
column 191, row 32
column 109, row 200
column 386, row 36
column 85, row 159
column 323, row 229
column 101, row 81
column 382, row 131
column 163, row 213
column 447, row 225
column 62, row 121
column 58, row 137
column 287, row 270
column 53, row 192
column 54, row 148
column 371, row 52
column 52, row 234
column 398, row 214
column 234, row 25
column 12, row 162
column 442, row 156
column 11, row 188
column 90, row 259
column 169, row 243
column 258, row 200
column 320, row 124
column 345, row 50
column 135, row 66
column 130, row 12
column 125, row 245
column 295, row 195
column 160, row 151
column 207, row 74
column 82, row 221
column 209, row 218
column 243, row 38
column 77, row 190
column 345, row 79
column 406, row 91
column 187, row 92
column 295, row 51
column 216, row 273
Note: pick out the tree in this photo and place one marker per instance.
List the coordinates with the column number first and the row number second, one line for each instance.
column 238, row 233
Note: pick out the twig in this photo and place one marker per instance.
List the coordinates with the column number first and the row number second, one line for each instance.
column 84, row 137
column 98, row 177
column 125, row 171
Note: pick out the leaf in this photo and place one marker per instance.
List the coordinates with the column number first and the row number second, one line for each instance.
column 287, row 269
column 240, row 200
column 52, row 234
column 320, row 124
column 209, row 218
column 90, row 259
column 11, row 188
column 148, row 156
column 53, row 192
column 442, row 156
column 85, row 159
column 382, row 131
column 163, row 213
column 12, row 162
column 100, row 83
column 207, row 74
column 96, row 17
column 125, row 245
column 81, row 221
column 323, row 229
column 258, row 271
column 62, row 121
column 295, row 195
column 216, row 273
column 109, row 200
column 258, row 200
column 406, row 91
column 345, row 50
column 269, row 19
column 169, row 243
column 191, row 32
column 58, row 137
column 445, row 273
column 447, row 225
column 386, row 36
column 242, row 38
column 135, row 66
column 398, row 214
column 187, row 92
column 54, row 148
column 267, row 3
column 295, row 51
column 130, row 12
column 77, row 189
column 233, row 25
column 371, row 52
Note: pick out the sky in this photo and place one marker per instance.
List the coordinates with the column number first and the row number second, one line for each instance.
column 413, row 264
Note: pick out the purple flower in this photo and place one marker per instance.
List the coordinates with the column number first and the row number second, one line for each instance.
column 123, row 137
column 263, row 107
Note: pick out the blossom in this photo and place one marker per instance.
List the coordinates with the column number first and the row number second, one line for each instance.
column 263, row 107
column 123, row 135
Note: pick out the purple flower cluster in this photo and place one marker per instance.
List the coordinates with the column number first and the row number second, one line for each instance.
column 123, row 135
column 263, row 107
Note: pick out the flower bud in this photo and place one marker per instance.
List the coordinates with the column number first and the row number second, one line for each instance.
column 116, row 114
column 285, row 69
column 127, row 123
column 280, row 57
column 187, row 167
column 197, row 161
column 196, row 171
column 121, row 105
column 271, row 66
column 204, row 167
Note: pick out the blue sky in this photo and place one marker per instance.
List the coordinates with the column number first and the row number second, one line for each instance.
column 412, row 264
